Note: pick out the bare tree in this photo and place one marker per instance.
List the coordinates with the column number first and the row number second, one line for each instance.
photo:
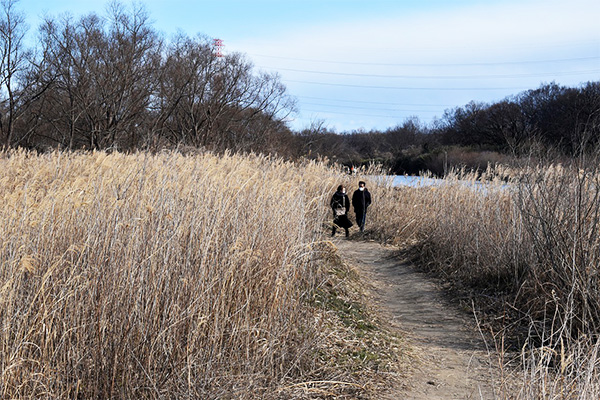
column 180, row 102
column 58, row 110
column 218, row 103
column 102, row 76
column 106, row 82
column 13, row 61
column 121, row 63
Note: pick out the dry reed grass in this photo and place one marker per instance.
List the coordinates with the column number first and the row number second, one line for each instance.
column 147, row 276
column 526, row 246
column 152, row 276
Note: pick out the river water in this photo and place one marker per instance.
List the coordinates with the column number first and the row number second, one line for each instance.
column 420, row 181
column 415, row 181
column 405, row 180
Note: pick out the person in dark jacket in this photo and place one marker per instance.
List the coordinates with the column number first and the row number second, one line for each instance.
column 361, row 200
column 340, row 204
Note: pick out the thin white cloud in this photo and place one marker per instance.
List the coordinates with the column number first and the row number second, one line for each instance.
column 510, row 27
column 495, row 32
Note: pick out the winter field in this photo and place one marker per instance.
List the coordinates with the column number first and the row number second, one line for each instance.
column 144, row 276
column 193, row 276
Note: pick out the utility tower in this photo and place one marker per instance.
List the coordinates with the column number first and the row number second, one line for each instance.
column 218, row 43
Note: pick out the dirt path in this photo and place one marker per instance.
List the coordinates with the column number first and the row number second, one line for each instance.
column 453, row 360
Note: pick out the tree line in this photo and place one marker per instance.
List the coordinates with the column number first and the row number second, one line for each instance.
column 565, row 120
column 113, row 82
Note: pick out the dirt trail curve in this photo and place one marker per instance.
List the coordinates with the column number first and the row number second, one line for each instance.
column 454, row 363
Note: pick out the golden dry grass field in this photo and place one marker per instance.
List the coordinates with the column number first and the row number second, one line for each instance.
column 145, row 276
column 201, row 276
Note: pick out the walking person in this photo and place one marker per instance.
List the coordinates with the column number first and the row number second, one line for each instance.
column 361, row 200
column 340, row 204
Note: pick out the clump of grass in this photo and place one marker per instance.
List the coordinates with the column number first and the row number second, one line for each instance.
column 151, row 276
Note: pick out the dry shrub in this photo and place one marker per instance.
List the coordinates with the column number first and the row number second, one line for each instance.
column 147, row 276
column 560, row 370
column 561, row 212
column 475, row 235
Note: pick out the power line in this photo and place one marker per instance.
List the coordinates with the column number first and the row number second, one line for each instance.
column 375, row 102
column 435, row 64
column 356, row 114
column 544, row 74
column 403, row 87
column 366, row 108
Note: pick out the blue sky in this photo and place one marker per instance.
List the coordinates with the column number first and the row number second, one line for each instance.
column 357, row 64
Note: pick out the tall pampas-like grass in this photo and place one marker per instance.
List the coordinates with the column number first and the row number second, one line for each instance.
column 152, row 276
column 524, row 244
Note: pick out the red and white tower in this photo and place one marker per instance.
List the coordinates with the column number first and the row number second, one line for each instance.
column 218, row 43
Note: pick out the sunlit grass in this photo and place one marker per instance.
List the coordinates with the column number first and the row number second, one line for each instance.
column 526, row 247
column 142, row 276
column 146, row 276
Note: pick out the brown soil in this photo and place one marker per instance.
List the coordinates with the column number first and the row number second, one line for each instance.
column 450, row 357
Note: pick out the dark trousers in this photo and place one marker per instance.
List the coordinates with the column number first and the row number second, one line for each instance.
column 361, row 217
column 335, row 228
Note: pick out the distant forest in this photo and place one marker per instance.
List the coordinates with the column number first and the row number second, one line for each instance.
column 550, row 121
column 114, row 83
